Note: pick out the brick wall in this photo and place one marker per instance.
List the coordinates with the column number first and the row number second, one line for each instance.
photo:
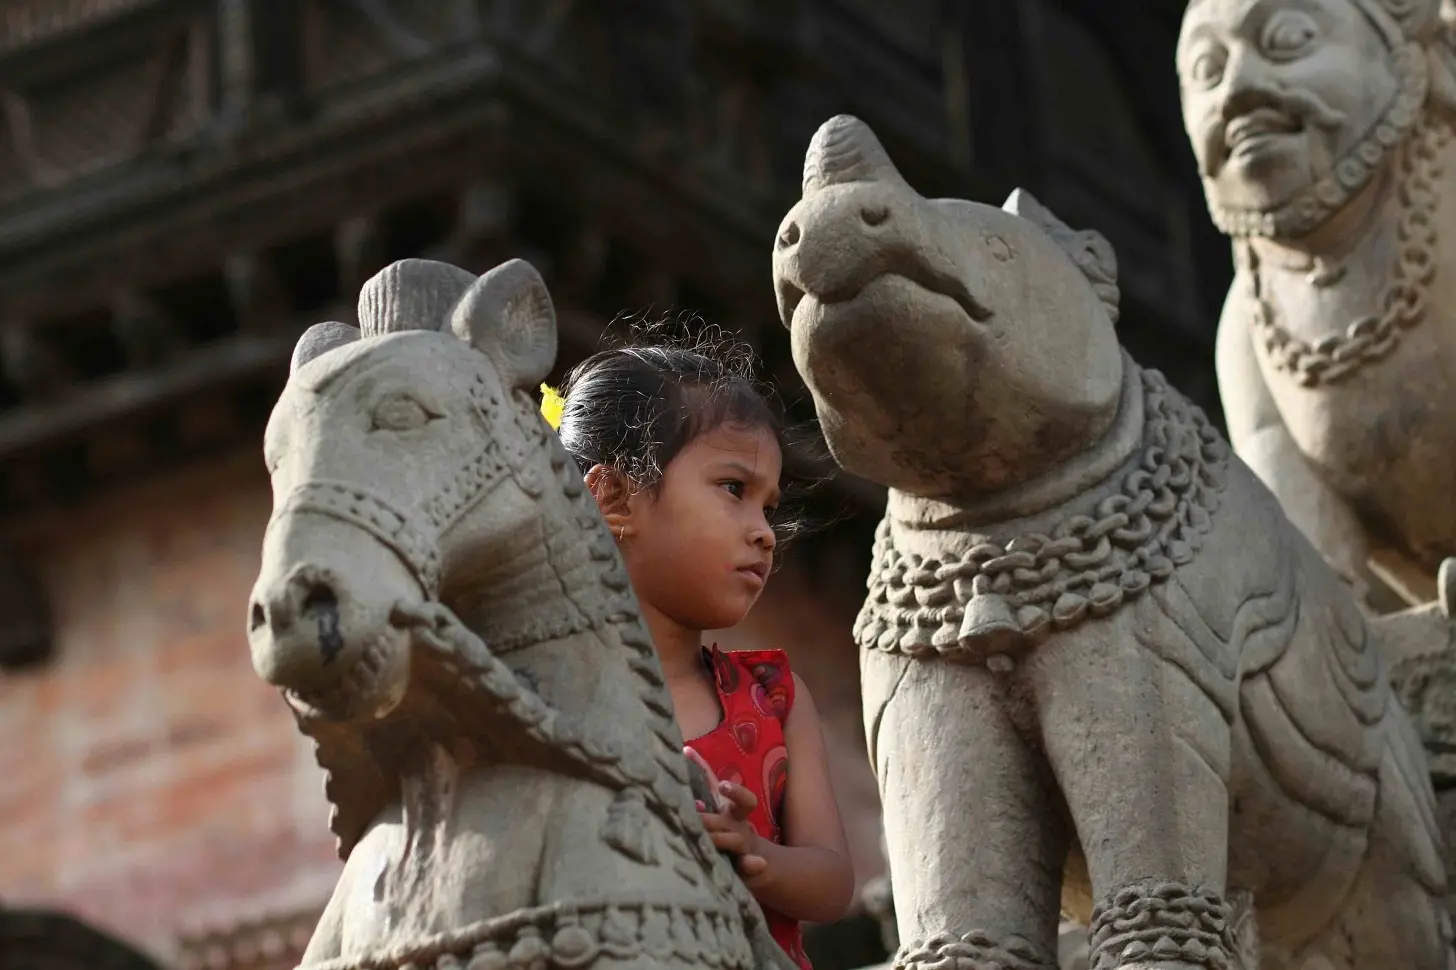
column 154, row 786
column 151, row 783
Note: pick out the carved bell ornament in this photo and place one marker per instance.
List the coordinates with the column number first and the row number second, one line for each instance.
column 989, row 626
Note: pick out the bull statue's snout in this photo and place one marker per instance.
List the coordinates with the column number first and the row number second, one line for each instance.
column 321, row 618
column 296, row 619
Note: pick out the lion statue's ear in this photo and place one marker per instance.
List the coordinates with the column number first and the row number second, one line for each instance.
column 507, row 315
column 319, row 339
column 1088, row 248
column 411, row 294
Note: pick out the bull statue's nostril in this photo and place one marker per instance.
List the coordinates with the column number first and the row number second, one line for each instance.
column 318, row 604
column 790, row 236
column 875, row 215
column 297, row 626
column 319, row 598
column 308, row 595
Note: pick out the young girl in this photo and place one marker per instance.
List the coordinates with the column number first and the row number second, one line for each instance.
column 683, row 453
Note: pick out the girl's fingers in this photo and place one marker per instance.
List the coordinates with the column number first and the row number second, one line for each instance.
column 729, row 842
column 741, row 801
column 752, row 865
column 714, row 822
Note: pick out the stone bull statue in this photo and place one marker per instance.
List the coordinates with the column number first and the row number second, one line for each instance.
column 1101, row 669
column 446, row 613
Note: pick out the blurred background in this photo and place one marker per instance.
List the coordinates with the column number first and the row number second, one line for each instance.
column 186, row 184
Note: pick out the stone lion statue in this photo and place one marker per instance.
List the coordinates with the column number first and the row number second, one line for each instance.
column 1322, row 132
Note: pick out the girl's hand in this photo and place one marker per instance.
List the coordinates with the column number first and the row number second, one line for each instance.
column 714, row 785
column 731, row 831
column 728, row 822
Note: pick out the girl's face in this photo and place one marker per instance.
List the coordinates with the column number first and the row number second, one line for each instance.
column 699, row 547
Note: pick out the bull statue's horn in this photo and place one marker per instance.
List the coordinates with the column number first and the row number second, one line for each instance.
column 844, row 149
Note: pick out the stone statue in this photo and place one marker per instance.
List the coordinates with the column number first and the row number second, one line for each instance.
column 447, row 615
column 1322, row 130
column 1101, row 669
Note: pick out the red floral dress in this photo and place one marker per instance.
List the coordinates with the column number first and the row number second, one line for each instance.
column 756, row 692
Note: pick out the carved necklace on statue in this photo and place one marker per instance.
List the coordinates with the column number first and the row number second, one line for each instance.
column 1403, row 298
column 999, row 599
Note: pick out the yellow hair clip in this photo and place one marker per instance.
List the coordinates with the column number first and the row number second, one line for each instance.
column 552, row 405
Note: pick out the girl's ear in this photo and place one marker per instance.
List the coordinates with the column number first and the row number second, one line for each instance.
column 613, row 493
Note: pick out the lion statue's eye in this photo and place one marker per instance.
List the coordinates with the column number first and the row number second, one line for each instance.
column 400, row 412
column 1205, row 68
column 1289, row 33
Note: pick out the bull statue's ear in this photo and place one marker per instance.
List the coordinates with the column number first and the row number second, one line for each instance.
column 1088, row 248
column 411, row 294
column 508, row 316
column 319, row 339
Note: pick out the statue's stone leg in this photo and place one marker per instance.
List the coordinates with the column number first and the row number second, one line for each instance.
column 973, row 829
column 1141, row 756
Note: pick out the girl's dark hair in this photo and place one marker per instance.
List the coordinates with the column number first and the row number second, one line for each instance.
column 634, row 407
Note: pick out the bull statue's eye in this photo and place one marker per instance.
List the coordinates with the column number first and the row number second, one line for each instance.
column 400, row 412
